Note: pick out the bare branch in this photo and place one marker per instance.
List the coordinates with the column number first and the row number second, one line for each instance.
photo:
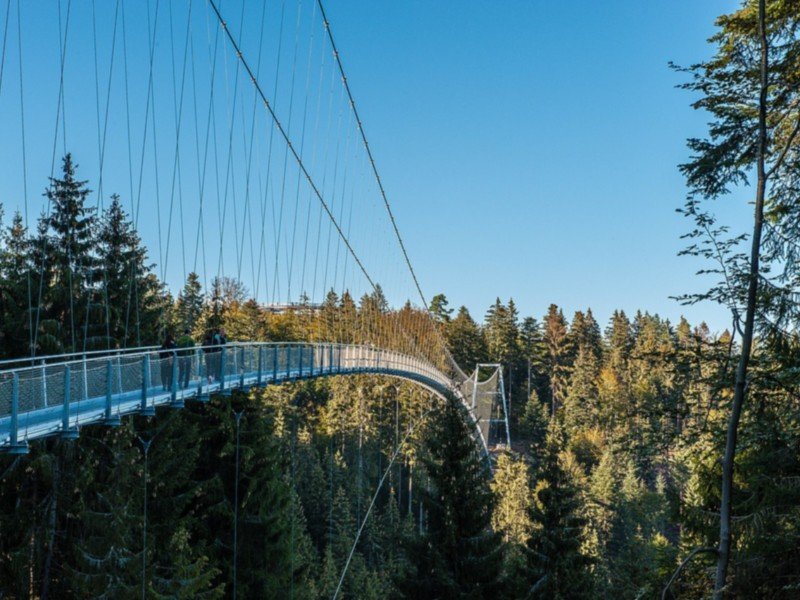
column 680, row 568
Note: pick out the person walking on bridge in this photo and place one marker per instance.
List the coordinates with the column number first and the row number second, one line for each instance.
column 185, row 345
column 219, row 340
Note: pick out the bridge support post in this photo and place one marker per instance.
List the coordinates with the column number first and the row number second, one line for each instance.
column 313, row 350
column 274, row 364
column 260, row 365
column 14, row 446
column 67, row 432
column 148, row 411
column 111, row 420
column 330, row 358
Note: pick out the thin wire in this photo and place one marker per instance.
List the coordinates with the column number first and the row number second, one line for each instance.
column 263, row 248
column 60, row 110
column 5, row 39
column 285, row 136
column 31, row 338
column 369, row 152
column 178, row 114
column 238, row 417
column 372, row 502
column 275, row 278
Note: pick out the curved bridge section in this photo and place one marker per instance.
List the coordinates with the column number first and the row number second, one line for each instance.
column 61, row 394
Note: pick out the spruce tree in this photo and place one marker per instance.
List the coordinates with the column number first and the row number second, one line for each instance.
column 16, row 291
column 558, row 567
column 68, row 256
column 189, row 305
column 460, row 556
column 466, row 341
column 131, row 292
column 557, row 360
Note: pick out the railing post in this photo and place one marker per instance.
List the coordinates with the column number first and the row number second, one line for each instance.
column 223, row 355
column 44, row 385
column 300, row 363
column 260, row 365
column 313, row 348
column 110, row 420
column 274, row 364
column 67, row 432
column 241, row 367
column 174, row 386
column 14, row 447
column 85, row 379
column 148, row 411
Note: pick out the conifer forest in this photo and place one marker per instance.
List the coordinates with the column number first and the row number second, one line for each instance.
column 650, row 457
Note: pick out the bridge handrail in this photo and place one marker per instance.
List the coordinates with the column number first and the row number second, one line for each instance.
column 41, row 386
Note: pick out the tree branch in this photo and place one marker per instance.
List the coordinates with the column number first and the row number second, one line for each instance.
column 786, row 147
column 680, row 568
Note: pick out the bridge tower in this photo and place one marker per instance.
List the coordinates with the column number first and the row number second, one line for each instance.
column 489, row 404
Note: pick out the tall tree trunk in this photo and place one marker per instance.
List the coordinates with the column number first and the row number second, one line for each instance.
column 740, row 389
column 51, row 524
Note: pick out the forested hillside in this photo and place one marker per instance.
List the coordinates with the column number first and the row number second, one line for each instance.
column 649, row 455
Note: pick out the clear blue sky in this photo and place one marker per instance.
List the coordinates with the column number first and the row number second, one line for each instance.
column 541, row 142
column 529, row 148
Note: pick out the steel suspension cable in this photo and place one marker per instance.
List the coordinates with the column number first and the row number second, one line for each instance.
column 369, row 151
column 287, row 140
column 5, row 40
column 31, row 334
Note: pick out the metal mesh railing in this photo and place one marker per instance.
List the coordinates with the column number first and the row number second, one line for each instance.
column 110, row 385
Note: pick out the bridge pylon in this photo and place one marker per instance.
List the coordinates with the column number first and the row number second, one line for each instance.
column 489, row 404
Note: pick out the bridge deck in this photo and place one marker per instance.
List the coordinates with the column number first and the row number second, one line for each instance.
column 58, row 397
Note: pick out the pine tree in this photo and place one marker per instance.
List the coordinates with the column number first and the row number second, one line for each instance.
column 439, row 308
column 189, row 305
column 558, row 567
column 558, row 355
column 188, row 577
column 460, row 557
column 15, row 293
column 69, row 258
column 131, row 292
column 465, row 341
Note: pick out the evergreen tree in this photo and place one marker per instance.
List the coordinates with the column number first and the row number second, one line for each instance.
column 69, row 257
column 189, row 305
column 557, row 359
column 15, row 292
column 131, row 292
column 461, row 556
column 465, row 341
column 439, row 308
column 558, row 566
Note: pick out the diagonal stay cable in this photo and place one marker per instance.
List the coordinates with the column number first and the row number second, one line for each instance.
column 374, row 167
column 369, row 153
column 285, row 136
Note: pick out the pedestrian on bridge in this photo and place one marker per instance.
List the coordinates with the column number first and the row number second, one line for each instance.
column 184, row 352
column 165, row 358
column 219, row 340
column 208, row 355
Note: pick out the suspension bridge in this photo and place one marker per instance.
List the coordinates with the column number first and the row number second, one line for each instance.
column 234, row 133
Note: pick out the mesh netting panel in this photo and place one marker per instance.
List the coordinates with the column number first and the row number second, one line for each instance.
column 6, row 389
column 129, row 376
